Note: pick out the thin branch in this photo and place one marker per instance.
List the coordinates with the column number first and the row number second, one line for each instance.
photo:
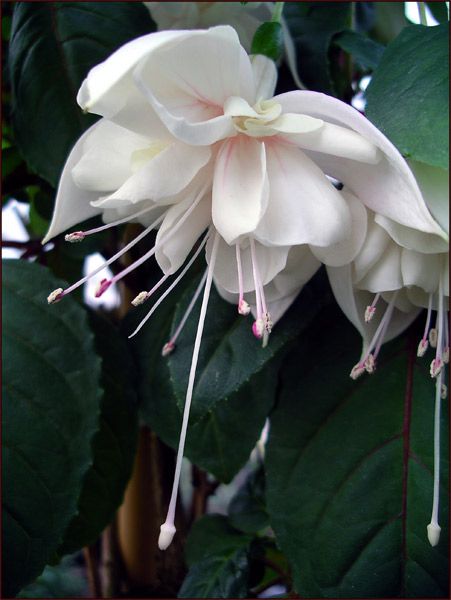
column 92, row 568
column 203, row 489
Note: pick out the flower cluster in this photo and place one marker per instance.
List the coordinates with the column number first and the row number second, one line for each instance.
column 192, row 142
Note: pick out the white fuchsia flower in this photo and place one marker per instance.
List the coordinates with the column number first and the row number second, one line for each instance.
column 191, row 141
column 405, row 270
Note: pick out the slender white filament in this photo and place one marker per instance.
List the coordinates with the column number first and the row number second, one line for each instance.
column 120, row 221
column 171, row 287
column 434, row 527
column 189, row 310
column 258, row 299
column 239, row 269
column 115, row 256
column 440, row 322
column 379, row 334
column 164, row 238
column 189, row 392
column 428, row 319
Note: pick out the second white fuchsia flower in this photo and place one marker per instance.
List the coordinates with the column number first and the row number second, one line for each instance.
column 193, row 143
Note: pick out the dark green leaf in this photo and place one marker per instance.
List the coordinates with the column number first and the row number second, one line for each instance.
column 439, row 11
column 268, row 40
column 218, row 577
column 247, row 510
column 365, row 51
column 235, row 378
column 209, row 440
column 230, row 355
column 349, row 471
column 51, row 396
column 61, row 581
column 409, row 93
column 312, row 26
column 114, row 445
column 53, row 46
column 213, row 535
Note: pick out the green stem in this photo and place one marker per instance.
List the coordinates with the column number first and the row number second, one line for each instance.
column 277, row 14
column 422, row 12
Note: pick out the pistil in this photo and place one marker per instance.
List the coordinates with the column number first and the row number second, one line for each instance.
column 167, row 529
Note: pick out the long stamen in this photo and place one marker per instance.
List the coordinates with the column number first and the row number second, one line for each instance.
column 172, row 286
column 169, row 346
column 437, row 363
column 367, row 363
column 255, row 276
column 262, row 325
column 243, row 306
column 423, row 345
column 434, row 528
column 382, row 334
column 143, row 296
column 105, row 284
column 79, row 236
column 108, row 262
column 370, row 310
column 167, row 529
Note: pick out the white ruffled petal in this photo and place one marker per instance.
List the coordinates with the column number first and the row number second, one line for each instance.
column 388, row 187
column 106, row 160
column 386, row 274
column 161, row 177
column 344, row 252
column 109, row 85
column 72, row 204
column 422, row 270
column 240, row 191
column 172, row 250
column 337, row 141
column 304, row 207
column 373, row 248
column 413, row 239
column 434, row 184
column 187, row 83
column 265, row 76
column 291, row 123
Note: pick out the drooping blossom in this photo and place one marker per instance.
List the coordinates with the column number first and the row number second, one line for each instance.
column 398, row 272
column 192, row 143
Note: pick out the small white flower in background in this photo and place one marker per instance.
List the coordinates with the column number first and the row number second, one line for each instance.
column 245, row 19
column 191, row 141
column 398, row 272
